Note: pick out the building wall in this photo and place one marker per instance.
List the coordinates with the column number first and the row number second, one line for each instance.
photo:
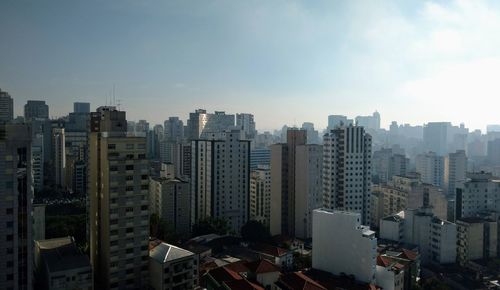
column 260, row 195
column 352, row 251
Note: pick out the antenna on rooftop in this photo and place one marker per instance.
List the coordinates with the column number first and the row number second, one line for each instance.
column 114, row 100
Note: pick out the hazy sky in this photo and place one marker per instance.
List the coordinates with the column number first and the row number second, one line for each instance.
column 285, row 61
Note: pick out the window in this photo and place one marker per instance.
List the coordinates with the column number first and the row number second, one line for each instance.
column 130, row 146
column 112, row 146
column 129, row 167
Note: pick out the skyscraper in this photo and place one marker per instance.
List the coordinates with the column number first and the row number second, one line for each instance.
column 436, row 136
column 59, row 156
column 79, row 107
column 36, row 109
column 246, row 123
column 16, row 188
column 455, row 168
column 347, row 170
column 337, row 120
column 260, row 195
column 118, row 185
column 6, row 107
column 220, row 176
column 283, row 168
column 174, row 129
column 431, row 168
column 200, row 123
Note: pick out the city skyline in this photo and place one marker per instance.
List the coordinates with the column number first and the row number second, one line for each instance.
column 413, row 62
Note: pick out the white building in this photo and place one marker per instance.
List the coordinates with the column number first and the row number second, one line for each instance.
column 246, row 123
column 435, row 238
column 308, row 187
column 260, row 195
column 431, row 168
column 347, row 170
column 201, row 124
column 220, row 178
column 480, row 193
column 387, row 164
column 352, row 251
column 436, row 136
column 455, row 168
column 171, row 267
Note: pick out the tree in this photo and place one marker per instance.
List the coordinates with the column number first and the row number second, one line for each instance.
column 254, row 231
column 211, row 225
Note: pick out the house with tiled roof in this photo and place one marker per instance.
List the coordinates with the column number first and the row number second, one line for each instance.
column 319, row 280
column 276, row 255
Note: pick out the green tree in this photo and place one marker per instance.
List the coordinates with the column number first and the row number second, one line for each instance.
column 211, row 225
column 254, row 231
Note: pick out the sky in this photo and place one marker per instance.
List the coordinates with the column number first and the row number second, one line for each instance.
column 287, row 62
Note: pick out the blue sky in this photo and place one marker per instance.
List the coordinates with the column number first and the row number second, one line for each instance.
column 285, row 61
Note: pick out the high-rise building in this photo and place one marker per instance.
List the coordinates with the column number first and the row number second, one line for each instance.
column 387, row 164
column 201, row 124
column 6, row 107
column 308, row 187
column 16, row 188
column 455, row 168
column 174, row 129
column 170, row 200
column 431, row 168
column 312, row 135
column 476, row 239
column 369, row 122
column 38, row 161
column 59, row 156
column 283, row 174
column 79, row 108
column 36, row 109
column 493, row 152
column 260, row 195
column 338, row 120
column 480, row 194
column 260, row 156
column 246, row 123
column 347, row 170
column 352, row 252
column 436, row 136
column 220, row 176
column 118, row 185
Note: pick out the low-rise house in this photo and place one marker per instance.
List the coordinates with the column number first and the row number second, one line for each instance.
column 276, row 255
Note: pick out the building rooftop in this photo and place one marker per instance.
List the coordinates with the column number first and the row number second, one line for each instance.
column 164, row 252
column 319, row 280
column 262, row 266
column 61, row 254
column 243, row 285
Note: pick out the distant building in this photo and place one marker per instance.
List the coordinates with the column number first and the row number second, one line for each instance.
column 171, row 267
column 431, row 168
column 387, row 164
column 16, row 188
column 174, row 129
column 6, row 107
column 312, row 135
column 347, row 170
column 246, row 123
column 455, row 168
column 436, row 137
column 200, row 123
column 36, row 110
column 260, row 195
column 352, row 252
column 260, row 156
column 61, row 266
column 480, row 194
column 338, row 120
column 81, row 108
column 59, row 156
column 371, row 123
column 493, row 152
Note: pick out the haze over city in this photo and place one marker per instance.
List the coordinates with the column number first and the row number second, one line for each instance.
column 287, row 62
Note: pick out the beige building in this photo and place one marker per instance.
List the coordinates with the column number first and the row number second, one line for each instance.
column 477, row 239
column 118, row 185
column 61, row 266
column 283, row 185
column 260, row 195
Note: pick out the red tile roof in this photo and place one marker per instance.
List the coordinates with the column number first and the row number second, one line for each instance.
column 238, row 267
column 410, row 255
column 270, row 250
column 242, row 285
column 262, row 266
column 299, row 281
column 223, row 274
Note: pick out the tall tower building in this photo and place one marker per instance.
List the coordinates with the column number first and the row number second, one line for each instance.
column 16, row 191
column 59, row 156
column 283, row 173
column 36, row 109
column 81, row 108
column 201, row 124
column 6, row 107
column 431, row 168
column 118, row 187
column 436, row 136
column 246, row 123
column 174, row 129
column 455, row 168
column 347, row 158
column 220, row 175
column 260, row 195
